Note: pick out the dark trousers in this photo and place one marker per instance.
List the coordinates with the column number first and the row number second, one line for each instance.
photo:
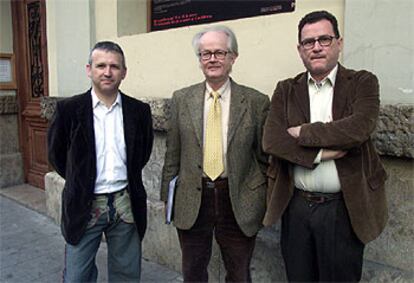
column 216, row 216
column 318, row 242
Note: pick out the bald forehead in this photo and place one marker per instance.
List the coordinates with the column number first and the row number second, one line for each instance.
column 213, row 35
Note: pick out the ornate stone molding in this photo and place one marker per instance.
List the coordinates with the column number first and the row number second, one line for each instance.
column 48, row 106
column 8, row 104
column 394, row 135
column 160, row 109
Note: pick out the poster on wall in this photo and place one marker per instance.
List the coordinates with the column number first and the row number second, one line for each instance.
column 166, row 14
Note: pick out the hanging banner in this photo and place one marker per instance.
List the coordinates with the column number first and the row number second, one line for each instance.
column 166, row 14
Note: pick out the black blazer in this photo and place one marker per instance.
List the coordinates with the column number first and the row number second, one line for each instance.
column 71, row 150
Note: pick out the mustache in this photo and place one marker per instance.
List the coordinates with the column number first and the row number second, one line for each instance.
column 213, row 65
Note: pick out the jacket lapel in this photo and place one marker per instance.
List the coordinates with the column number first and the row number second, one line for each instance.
column 340, row 93
column 85, row 118
column 301, row 95
column 237, row 109
column 195, row 105
column 130, row 126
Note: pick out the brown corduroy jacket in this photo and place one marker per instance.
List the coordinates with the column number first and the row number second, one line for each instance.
column 355, row 110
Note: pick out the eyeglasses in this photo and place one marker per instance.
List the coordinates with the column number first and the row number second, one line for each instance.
column 324, row 40
column 218, row 54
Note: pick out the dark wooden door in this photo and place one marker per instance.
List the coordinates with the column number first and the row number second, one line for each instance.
column 30, row 49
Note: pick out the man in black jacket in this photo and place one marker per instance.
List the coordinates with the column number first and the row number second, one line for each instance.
column 99, row 142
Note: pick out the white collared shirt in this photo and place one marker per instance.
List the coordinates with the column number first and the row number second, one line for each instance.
column 324, row 178
column 111, row 170
column 225, row 97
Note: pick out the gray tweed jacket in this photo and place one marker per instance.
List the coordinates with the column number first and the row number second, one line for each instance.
column 246, row 162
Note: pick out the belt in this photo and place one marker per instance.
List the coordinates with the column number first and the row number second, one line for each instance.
column 317, row 197
column 114, row 194
column 219, row 183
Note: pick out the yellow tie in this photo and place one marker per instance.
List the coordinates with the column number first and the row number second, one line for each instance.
column 213, row 149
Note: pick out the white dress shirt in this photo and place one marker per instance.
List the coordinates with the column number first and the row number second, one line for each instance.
column 111, row 171
column 324, row 178
column 224, row 100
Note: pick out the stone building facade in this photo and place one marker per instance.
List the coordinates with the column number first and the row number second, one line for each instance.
column 390, row 258
column 160, row 62
column 11, row 163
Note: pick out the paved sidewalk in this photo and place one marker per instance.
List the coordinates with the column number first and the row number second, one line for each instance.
column 31, row 249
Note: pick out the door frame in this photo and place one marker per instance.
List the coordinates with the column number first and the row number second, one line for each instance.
column 30, row 49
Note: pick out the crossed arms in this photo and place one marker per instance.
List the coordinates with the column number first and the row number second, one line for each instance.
column 300, row 144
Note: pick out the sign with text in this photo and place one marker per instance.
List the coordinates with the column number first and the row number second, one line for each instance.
column 167, row 14
column 7, row 75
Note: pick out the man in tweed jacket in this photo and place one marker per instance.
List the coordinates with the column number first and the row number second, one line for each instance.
column 233, row 205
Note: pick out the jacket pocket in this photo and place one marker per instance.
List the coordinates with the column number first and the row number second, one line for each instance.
column 256, row 180
column 123, row 208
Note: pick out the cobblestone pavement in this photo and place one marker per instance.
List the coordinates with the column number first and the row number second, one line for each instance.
column 31, row 249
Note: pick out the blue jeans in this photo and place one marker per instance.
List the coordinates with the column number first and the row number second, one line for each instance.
column 111, row 214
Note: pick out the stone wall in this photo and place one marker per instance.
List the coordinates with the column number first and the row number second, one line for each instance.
column 395, row 246
column 390, row 258
column 11, row 163
column 394, row 135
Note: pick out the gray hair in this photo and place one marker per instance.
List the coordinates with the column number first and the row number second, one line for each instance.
column 231, row 42
column 108, row 46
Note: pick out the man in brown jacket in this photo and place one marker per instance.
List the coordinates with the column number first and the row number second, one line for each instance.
column 326, row 179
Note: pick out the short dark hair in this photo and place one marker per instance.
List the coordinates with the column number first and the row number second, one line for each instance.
column 108, row 46
column 317, row 16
